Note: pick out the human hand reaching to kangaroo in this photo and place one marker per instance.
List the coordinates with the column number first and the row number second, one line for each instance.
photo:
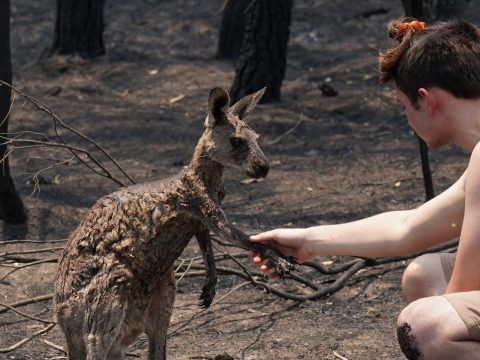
column 290, row 242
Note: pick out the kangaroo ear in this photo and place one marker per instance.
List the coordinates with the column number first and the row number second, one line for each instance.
column 244, row 107
column 218, row 102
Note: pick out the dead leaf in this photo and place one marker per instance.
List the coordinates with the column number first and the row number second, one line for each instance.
column 175, row 99
column 250, row 181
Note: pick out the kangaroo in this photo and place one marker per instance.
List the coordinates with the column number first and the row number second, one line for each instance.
column 115, row 279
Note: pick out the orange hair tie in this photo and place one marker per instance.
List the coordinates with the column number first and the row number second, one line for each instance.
column 414, row 25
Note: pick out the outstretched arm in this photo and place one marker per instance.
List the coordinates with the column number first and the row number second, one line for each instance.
column 386, row 234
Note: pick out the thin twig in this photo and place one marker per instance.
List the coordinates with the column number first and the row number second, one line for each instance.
column 238, row 263
column 29, row 301
column 338, row 356
column 52, row 249
column 42, row 107
column 55, row 346
column 18, row 259
column 205, row 310
column 185, row 271
column 22, row 143
column 8, row 242
column 27, row 339
column 286, row 133
column 239, row 286
column 33, row 263
column 31, row 317
column 5, row 118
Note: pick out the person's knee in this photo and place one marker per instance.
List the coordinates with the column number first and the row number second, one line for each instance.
column 422, row 278
column 416, row 332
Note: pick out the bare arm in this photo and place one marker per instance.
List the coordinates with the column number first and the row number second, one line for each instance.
column 466, row 272
column 386, row 234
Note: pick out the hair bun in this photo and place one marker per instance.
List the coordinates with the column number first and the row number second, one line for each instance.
column 398, row 29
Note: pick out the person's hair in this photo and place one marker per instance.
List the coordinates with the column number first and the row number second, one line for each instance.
column 446, row 55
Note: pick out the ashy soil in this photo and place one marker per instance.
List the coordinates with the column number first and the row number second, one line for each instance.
column 333, row 159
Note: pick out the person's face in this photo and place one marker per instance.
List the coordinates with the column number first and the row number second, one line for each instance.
column 422, row 121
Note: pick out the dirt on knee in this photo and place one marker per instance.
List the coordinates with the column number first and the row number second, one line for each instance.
column 407, row 342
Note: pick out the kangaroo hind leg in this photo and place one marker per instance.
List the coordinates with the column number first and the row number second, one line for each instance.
column 72, row 328
column 105, row 317
column 157, row 316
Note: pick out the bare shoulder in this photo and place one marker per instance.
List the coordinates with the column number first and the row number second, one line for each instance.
column 472, row 180
column 475, row 156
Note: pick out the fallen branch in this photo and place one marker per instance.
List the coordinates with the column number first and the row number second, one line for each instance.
column 55, row 346
column 31, row 317
column 27, row 339
column 308, row 285
column 33, row 263
column 24, row 302
column 7, row 254
column 9, row 242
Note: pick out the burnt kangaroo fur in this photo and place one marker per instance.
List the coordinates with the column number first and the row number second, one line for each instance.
column 115, row 279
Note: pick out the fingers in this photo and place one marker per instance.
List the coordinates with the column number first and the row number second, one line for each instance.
column 266, row 266
column 268, row 270
column 255, row 257
column 265, row 236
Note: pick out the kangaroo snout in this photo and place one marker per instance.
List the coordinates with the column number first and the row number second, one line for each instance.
column 259, row 171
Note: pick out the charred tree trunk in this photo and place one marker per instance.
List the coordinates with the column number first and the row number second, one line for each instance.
column 11, row 207
column 414, row 8
column 263, row 55
column 79, row 28
column 422, row 9
column 232, row 29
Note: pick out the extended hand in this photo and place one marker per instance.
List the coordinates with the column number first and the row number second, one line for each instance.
column 290, row 242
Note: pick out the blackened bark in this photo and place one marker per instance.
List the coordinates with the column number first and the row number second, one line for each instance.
column 79, row 28
column 427, row 173
column 232, row 29
column 263, row 56
column 414, row 8
column 422, row 9
column 11, row 207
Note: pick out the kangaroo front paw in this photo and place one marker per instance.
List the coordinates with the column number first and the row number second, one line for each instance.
column 207, row 295
column 282, row 264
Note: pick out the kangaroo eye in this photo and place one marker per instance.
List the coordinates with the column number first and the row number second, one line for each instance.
column 236, row 142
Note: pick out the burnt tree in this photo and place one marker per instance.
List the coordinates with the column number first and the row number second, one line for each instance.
column 11, row 207
column 232, row 29
column 79, row 28
column 416, row 9
column 263, row 55
column 422, row 9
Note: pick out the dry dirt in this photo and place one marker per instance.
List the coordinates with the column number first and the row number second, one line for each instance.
column 351, row 155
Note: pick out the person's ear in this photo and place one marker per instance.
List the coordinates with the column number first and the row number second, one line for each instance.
column 432, row 101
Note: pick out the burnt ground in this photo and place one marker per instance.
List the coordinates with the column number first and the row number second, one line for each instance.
column 333, row 159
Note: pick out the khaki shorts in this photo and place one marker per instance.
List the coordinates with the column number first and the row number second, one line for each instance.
column 466, row 304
